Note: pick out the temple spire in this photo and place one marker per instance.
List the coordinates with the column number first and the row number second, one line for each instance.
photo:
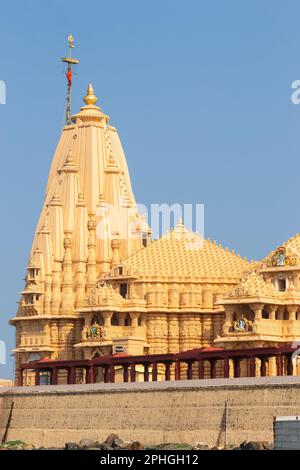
column 70, row 61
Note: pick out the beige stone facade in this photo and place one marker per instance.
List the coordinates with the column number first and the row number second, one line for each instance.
column 97, row 284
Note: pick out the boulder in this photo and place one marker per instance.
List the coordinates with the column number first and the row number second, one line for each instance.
column 254, row 445
column 104, row 446
column 114, row 441
column 71, row 446
column 87, row 443
column 134, row 445
column 243, row 444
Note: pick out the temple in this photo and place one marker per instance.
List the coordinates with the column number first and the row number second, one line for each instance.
column 99, row 293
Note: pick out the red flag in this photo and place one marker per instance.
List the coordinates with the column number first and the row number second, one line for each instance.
column 69, row 77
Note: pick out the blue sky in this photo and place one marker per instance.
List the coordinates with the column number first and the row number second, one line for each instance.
column 200, row 93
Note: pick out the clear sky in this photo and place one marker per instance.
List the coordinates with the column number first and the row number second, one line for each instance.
column 200, row 92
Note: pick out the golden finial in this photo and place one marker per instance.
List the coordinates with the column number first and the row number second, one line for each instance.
column 90, row 97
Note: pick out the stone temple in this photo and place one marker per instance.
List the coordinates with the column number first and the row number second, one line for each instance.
column 97, row 285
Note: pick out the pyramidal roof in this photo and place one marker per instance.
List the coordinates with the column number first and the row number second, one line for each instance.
column 183, row 253
column 88, row 174
column 253, row 285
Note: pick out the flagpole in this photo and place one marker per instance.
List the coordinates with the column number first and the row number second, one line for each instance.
column 70, row 61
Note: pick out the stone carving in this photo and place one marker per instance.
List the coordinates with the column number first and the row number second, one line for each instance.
column 104, row 294
column 282, row 258
column 94, row 332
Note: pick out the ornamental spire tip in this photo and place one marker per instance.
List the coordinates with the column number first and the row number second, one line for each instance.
column 90, row 97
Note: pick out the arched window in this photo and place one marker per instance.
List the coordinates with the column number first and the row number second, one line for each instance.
column 115, row 319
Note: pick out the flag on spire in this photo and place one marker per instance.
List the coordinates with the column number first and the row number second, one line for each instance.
column 69, row 77
column 69, row 74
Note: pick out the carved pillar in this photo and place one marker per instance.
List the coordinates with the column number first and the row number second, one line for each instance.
column 47, row 301
column 257, row 367
column 67, row 299
column 292, row 311
column 272, row 309
column 257, row 309
column 272, row 366
column 56, row 288
column 173, row 297
column 91, row 262
column 184, row 332
column 173, row 333
column 115, row 246
column 80, row 284
column 207, row 330
column 54, row 337
column 107, row 319
column 46, row 332
column 134, row 319
column 207, row 297
column 157, row 332
column 280, row 313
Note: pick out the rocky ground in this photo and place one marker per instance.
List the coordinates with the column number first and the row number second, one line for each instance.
column 113, row 442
